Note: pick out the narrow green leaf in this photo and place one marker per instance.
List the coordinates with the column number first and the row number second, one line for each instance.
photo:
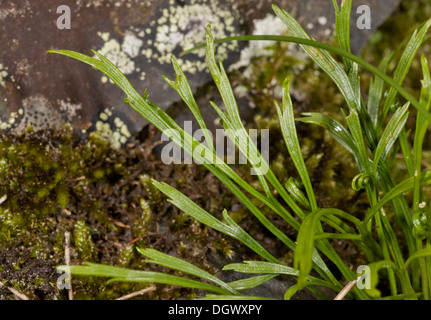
column 288, row 129
column 182, row 87
column 374, row 276
column 390, row 135
column 251, row 282
column 419, row 254
column 345, row 236
column 292, row 186
column 355, row 82
column 128, row 275
column 342, row 23
column 355, row 128
column 174, row 263
column 376, row 91
column 406, row 150
column 234, row 127
column 236, row 132
column 399, row 189
column 306, row 238
column 421, row 129
column 305, row 245
column 322, row 58
column 262, row 267
column 232, row 229
column 238, row 233
column 404, row 65
column 335, row 128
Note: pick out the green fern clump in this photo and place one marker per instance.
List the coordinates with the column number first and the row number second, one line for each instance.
column 392, row 233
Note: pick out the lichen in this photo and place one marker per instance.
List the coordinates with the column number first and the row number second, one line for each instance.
column 121, row 54
column 176, row 29
column 183, row 27
column 38, row 112
column 268, row 25
column 3, row 74
column 116, row 135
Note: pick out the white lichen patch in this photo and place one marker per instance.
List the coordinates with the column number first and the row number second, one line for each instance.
column 131, row 45
column 121, row 54
column 268, row 25
column 103, row 116
column 11, row 121
column 80, row 4
column 15, row 10
column 176, row 29
column 69, row 109
column 36, row 112
column 183, row 27
column 116, row 134
column 322, row 20
column 3, row 75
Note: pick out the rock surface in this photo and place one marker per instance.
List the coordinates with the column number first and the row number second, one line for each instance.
column 41, row 89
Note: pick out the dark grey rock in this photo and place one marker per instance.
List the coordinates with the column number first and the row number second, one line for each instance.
column 41, row 89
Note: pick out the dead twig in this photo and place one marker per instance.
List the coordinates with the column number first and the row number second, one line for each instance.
column 346, row 290
column 134, row 240
column 119, row 224
column 17, row 294
column 3, row 199
column 137, row 293
column 67, row 259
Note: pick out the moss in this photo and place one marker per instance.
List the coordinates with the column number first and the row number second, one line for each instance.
column 224, row 246
column 126, row 256
column 153, row 193
column 62, row 196
column 146, row 213
column 83, row 242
